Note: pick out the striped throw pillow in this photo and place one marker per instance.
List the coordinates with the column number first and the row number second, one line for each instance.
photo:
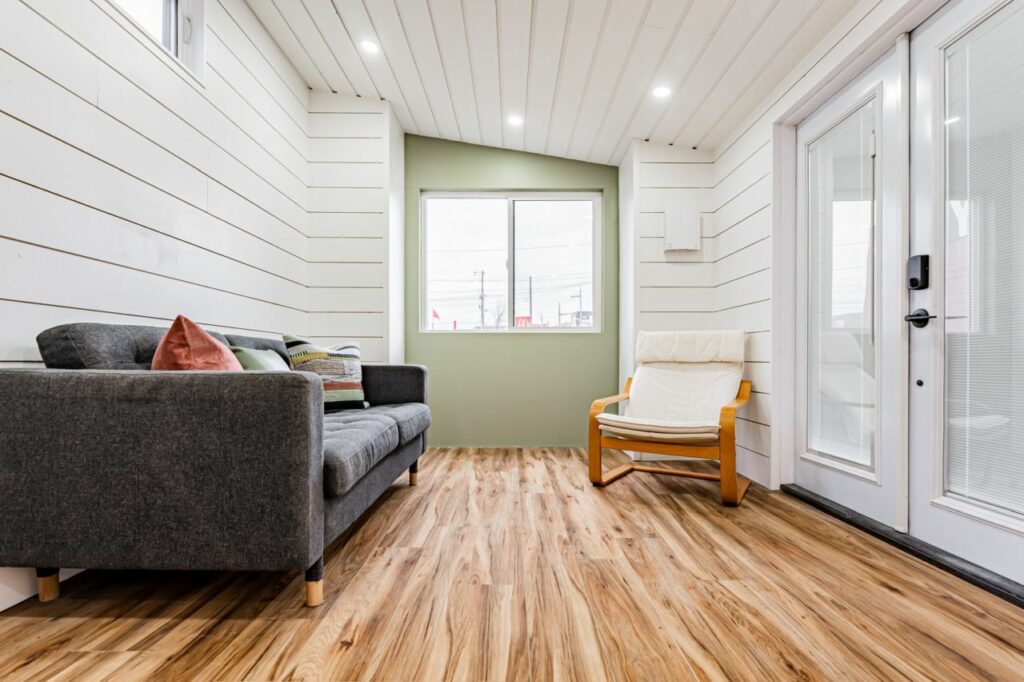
column 339, row 366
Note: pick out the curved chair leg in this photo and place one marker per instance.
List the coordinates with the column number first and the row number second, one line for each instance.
column 597, row 475
column 594, row 458
column 315, row 583
column 48, row 583
column 730, row 482
column 734, row 486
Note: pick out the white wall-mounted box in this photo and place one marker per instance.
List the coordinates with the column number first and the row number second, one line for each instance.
column 682, row 229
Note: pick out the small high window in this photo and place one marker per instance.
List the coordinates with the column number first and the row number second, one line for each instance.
column 177, row 25
column 511, row 262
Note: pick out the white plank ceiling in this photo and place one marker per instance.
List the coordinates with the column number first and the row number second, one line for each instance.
column 579, row 73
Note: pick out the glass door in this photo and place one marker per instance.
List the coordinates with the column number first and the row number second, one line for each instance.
column 851, row 341
column 967, row 364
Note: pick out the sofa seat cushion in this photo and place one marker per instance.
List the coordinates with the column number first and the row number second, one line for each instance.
column 354, row 442
column 412, row 419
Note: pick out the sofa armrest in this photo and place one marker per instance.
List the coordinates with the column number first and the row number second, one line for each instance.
column 390, row 384
column 175, row 470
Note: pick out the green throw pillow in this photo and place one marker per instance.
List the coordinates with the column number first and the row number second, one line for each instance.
column 260, row 360
column 339, row 366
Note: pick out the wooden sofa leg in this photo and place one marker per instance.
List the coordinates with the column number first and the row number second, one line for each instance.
column 315, row 583
column 413, row 470
column 48, row 583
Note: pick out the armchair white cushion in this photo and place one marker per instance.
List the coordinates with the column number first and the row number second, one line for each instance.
column 681, row 382
column 690, row 347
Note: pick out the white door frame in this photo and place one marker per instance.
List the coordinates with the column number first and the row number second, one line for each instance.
column 881, row 491
column 826, row 78
column 968, row 530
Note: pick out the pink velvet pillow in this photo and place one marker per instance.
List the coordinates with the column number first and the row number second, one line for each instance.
column 186, row 345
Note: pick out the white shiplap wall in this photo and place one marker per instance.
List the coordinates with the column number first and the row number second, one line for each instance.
column 701, row 289
column 729, row 284
column 741, row 239
column 131, row 192
column 674, row 289
column 356, row 186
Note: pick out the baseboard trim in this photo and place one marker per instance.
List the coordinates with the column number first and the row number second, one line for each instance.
column 1002, row 587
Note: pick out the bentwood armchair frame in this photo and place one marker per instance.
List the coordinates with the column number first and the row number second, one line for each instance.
column 733, row 486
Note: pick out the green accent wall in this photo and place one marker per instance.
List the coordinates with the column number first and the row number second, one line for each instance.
column 510, row 389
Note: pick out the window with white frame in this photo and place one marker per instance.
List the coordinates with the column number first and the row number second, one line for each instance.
column 177, row 25
column 511, row 262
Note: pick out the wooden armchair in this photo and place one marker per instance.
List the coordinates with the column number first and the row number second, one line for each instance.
column 678, row 373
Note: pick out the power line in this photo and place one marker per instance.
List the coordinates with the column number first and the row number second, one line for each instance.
column 505, row 248
column 474, row 280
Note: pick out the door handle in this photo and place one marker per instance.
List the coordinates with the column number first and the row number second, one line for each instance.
column 919, row 318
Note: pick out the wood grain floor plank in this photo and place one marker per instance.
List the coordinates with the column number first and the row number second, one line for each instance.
column 506, row 564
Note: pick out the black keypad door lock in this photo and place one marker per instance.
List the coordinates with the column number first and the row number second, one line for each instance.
column 917, row 272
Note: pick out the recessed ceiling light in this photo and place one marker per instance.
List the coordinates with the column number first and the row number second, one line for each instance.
column 370, row 47
column 514, row 120
column 662, row 91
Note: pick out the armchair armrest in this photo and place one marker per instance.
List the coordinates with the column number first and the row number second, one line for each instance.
column 598, row 406
column 391, row 384
column 175, row 470
column 729, row 409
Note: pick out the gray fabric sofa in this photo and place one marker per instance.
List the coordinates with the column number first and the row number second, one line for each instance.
column 105, row 464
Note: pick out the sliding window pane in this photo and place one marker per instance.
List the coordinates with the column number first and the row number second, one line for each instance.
column 467, row 264
column 554, row 263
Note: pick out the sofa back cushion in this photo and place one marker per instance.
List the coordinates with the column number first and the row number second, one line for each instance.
column 91, row 345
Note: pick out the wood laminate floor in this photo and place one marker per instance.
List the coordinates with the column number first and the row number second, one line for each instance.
column 507, row 564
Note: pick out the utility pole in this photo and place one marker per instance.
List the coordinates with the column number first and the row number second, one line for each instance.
column 559, row 323
column 483, row 322
column 579, row 316
column 531, row 300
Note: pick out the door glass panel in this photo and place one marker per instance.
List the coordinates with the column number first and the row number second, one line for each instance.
column 984, row 280
column 841, row 325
